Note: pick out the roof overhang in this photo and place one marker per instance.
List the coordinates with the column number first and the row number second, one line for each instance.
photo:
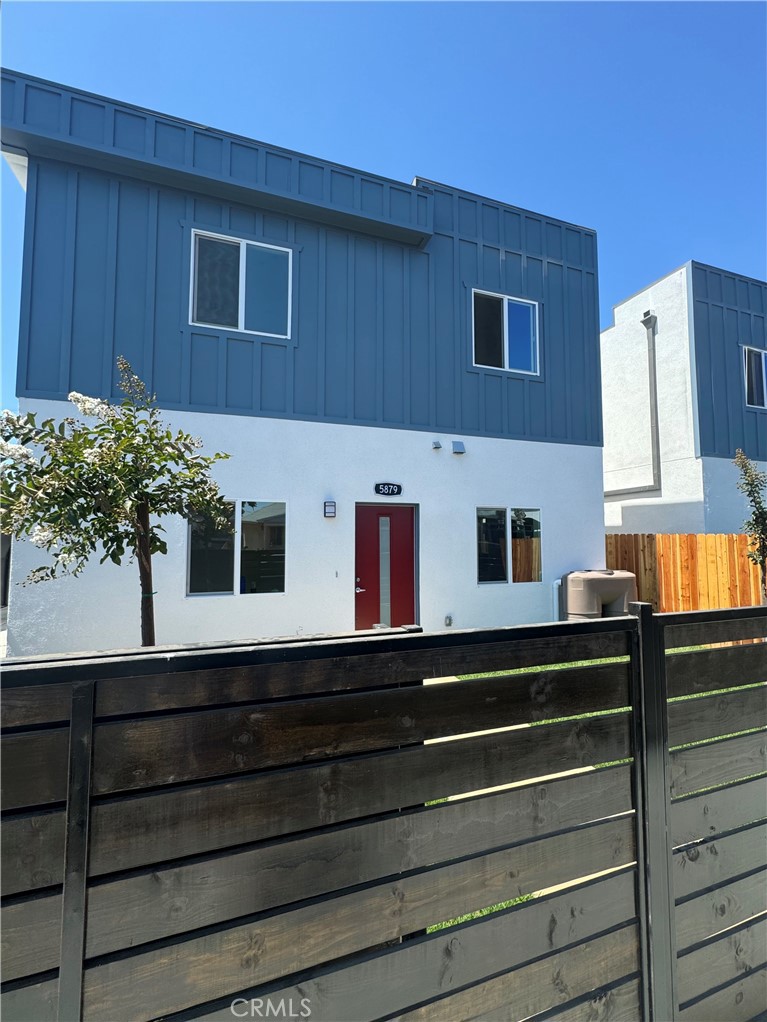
column 51, row 121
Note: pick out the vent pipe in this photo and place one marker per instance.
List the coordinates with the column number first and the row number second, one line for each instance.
column 650, row 322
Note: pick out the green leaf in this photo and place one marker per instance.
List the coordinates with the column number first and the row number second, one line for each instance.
column 92, row 476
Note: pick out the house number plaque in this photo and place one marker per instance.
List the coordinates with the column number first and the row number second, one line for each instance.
column 388, row 489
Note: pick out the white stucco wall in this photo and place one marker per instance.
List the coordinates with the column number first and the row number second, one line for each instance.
column 678, row 505
column 305, row 464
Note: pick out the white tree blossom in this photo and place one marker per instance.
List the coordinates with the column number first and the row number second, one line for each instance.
column 92, row 407
column 42, row 536
column 100, row 487
column 16, row 452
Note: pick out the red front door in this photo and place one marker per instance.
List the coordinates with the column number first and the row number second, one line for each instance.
column 385, row 566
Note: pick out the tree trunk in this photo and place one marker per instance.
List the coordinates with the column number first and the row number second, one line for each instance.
column 145, row 575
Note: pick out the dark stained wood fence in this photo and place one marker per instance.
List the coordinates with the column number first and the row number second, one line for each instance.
column 717, row 714
column 289, row 822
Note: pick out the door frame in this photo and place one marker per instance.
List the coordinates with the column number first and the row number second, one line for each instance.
column 416, row 547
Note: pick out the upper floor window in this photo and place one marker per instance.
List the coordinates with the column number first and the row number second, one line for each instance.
column 241, row 285
column 505, row 333
column 756, row 377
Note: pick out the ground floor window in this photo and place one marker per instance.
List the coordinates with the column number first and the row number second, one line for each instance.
column 493, row 548
column 250, row 558
column 525, row 545
column 492, row 562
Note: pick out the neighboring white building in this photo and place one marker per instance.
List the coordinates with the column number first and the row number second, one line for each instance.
column 406, row 378
column 684, row 385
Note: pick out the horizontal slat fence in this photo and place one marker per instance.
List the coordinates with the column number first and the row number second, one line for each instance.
column 717, row 731
column 399, row 826
column 684, row 571
column 319, row 824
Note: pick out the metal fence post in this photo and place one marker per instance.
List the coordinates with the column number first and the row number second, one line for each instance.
column 660, row 926
column 640, row 811
column 76, row 854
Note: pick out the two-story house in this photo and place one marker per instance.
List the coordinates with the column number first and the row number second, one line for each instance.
column 406, row 377
column 684, row 385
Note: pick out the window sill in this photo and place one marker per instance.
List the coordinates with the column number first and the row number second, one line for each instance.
column 225, row 331
column 280, row 592
column 218, row 596
column 513, row 374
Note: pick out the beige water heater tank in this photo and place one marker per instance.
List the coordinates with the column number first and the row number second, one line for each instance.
column 590, row 594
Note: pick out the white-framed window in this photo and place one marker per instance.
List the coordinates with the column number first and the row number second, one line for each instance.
column 249, row 558
column 495, row 556
column 505, row 333
column 756, row 377
column 240, row 285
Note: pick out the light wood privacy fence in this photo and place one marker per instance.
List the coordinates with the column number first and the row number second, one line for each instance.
column 526, row 560
column 681, row 571
column 308, row 825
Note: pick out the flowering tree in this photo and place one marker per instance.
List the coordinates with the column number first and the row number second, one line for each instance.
column 82, row 487
column 753, row 484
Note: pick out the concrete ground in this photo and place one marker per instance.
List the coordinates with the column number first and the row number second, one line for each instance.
column 3, row 631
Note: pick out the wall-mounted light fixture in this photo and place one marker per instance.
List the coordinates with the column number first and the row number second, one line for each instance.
column 458, row 447
column 436, row 445
column 330, row 509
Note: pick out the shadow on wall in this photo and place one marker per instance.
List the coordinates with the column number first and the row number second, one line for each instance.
column 5, row 568
column 683, row 516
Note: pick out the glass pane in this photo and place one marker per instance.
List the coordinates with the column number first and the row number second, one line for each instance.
column 525, row 545
column 217, row 282
column 262, row 563
column 755, row 378
column 491, row 544
column 211, row 558
column 384, row 561
column 267, row 285
column 488, row 331
column 520, row 318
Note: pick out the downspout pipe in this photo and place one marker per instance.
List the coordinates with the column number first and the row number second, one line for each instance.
column 650, row 322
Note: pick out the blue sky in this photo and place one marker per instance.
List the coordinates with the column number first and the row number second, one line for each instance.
column 645, row 121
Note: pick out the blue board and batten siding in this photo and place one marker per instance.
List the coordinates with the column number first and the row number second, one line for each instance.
column 381, row 285
column 729, row 314
column 54, row 121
